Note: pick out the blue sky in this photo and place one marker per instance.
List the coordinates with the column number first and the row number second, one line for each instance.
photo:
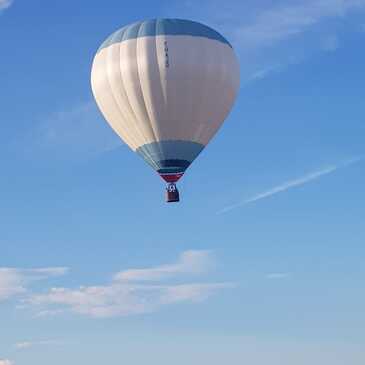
column 261, row 262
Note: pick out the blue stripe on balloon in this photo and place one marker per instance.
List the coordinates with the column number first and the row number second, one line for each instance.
column 157, row 27
column 170, row 156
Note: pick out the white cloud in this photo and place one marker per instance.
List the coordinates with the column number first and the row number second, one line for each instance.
column 192, row 292
column 24, row 345
column 28, row 344
column 278, row 275
column 124, row 297
column 11, row 283
column 50, row 271
column 190, row 262
column 47, row 312
column 292, row 183
column 14, row 281
column 4, row 4
column 6, row 362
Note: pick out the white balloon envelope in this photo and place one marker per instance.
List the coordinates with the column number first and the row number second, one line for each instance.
column 165, row 86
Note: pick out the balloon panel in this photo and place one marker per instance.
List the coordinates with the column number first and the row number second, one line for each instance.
column 165, row 87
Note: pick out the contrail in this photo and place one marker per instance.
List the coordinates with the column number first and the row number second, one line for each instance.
column 293, row 183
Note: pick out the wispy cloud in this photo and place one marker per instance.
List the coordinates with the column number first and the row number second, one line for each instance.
column 267, row 33
column 278, row 275
column 191, row 292
column 330, row 43
column 4, row 4
column 46, row 312
column 283, row 22
column 190, row 262
column 288, row 20
column 79, row 132
column 15, row 281
column 315, row 175
column 122, row 296
column 28, row 344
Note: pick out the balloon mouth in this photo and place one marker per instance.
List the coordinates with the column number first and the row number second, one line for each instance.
column 171, row 177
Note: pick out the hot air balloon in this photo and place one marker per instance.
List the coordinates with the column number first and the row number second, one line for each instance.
column 165, row 86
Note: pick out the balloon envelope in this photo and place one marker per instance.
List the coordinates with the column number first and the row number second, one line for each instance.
column 165, row 86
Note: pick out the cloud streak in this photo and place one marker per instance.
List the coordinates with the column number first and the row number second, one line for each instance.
column 292, row 184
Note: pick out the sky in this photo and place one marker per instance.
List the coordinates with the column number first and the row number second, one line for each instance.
column 261, row 263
